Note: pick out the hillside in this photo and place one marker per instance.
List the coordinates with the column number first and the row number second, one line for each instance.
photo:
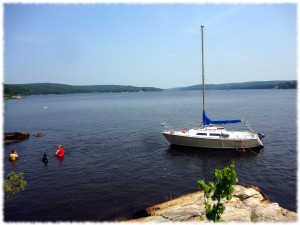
column 292, row 84
column 51, row 88
column 13, row 90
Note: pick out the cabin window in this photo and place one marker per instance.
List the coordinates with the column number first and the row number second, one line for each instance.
column 216, row 135
column 203, row 134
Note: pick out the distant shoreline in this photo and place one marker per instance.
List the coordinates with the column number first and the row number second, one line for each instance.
column 16, row 91
column 276, row 84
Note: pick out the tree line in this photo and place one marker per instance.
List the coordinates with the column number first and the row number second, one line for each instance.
column 11, row 90
column 51, row 88
column 247, row 85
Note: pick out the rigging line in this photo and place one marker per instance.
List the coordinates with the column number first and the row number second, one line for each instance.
column 223, row 70
column 250, row 149
column 257, row 154
column 217, row 56
column 190, row 57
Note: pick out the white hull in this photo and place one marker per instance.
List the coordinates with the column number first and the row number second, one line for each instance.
column 215, row 138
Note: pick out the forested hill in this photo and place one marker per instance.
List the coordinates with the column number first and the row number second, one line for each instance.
column 292, row 84
column 51, row 88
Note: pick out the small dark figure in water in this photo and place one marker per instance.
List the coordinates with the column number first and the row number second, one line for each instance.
column 45, row 158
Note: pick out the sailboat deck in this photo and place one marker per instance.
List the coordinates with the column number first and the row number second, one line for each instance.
column 213, row 133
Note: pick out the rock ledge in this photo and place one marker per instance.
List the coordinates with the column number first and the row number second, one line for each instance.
column 248, row 204
column 13, row 137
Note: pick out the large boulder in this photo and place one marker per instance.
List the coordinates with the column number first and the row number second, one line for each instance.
column 13, row 137
column 248, row 204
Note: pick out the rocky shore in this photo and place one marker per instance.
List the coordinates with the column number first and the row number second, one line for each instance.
column 13, row 137
column 248, row 204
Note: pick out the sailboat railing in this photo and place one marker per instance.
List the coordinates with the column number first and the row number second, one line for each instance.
column 167, row 127
column 249, row 126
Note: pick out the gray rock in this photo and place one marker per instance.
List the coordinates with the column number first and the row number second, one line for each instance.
column 248, row 204
column 39, row 135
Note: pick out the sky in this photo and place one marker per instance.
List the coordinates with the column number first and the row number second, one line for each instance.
column 149, row 45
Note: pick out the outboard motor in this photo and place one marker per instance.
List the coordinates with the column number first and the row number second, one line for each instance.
column 261, row 135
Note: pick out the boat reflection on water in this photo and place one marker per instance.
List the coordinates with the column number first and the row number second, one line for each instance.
column 195, row 164
column 177, row 150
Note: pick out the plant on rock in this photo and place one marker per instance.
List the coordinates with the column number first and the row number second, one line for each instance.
column 222, row 188
column 14, row 183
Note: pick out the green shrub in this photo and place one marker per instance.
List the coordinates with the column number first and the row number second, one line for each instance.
column 223, row 188
column 14, row 183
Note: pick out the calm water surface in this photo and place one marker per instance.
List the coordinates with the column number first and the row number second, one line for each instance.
column 117, row 162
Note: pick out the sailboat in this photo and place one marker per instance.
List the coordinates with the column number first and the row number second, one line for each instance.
column 210, row 134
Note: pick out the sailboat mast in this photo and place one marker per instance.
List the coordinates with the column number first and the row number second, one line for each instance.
column 202, row 34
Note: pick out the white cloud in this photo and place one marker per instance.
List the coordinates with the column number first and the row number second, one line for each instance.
column 32, row 38
column 232, row 11
column 212, row 20
column 27, row 38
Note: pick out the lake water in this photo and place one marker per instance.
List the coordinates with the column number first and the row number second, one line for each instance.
column 117, row 162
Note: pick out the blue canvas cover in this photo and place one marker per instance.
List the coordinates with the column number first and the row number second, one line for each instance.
column 207, row 121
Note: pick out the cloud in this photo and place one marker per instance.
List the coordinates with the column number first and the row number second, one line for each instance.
column 225, row 14
column 27, row 38
column 213, row 19
column 32, row 38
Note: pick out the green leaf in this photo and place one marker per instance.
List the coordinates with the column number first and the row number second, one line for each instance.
column 222, row 188
column 14, row 183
